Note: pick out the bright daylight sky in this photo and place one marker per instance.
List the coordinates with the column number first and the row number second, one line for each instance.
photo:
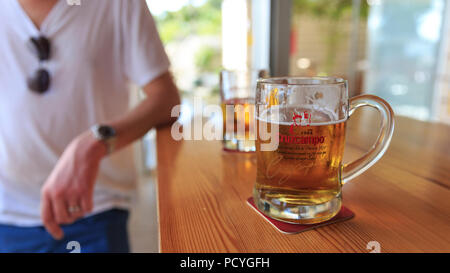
column 157, row 7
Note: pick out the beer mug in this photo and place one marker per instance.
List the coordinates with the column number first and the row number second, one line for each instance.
column 301, row 125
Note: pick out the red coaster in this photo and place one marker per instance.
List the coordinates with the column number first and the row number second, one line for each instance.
column 287, row 228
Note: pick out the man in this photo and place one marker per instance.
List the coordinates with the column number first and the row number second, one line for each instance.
column 66, row 165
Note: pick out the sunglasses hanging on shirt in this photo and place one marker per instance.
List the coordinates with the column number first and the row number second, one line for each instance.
column 40, row 81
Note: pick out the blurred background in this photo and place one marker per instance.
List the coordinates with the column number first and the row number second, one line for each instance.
column 396, row 49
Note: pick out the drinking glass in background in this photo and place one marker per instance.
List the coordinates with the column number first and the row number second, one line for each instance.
column 237, row 91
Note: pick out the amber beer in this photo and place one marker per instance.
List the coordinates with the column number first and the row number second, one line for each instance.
column 304, row 171
column 299, row 164
column 238, row 124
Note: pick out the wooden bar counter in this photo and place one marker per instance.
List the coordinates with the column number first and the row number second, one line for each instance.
column 402, row 202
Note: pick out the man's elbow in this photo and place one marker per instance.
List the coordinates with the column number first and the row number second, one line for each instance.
column 175, row 101
column 164, row 92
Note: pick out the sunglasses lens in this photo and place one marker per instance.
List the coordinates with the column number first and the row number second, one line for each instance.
column 40, row 82
column 42, row 46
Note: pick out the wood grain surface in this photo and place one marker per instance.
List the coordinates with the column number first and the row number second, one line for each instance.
column 402, row 202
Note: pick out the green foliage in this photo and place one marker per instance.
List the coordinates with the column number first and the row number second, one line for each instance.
column 331, row 9
column 208, row 59
column 330, row 12
column 196, row 21
column 191, row 20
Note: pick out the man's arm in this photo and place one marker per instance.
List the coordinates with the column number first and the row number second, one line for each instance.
column 155, row 110
column 72, row 181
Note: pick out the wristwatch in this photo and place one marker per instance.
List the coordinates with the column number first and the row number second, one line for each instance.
column 106, row 134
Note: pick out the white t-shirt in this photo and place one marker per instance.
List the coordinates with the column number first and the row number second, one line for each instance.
column 98, row 48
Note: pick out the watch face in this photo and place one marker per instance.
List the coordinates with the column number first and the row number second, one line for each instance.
column 106, row 131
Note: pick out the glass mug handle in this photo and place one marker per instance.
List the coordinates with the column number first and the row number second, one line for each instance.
column 357, row 167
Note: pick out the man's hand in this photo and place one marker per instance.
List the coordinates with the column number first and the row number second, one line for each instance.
column 71, row 183
column 68, row 192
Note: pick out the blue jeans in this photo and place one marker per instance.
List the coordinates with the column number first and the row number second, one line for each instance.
column 103, row 232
